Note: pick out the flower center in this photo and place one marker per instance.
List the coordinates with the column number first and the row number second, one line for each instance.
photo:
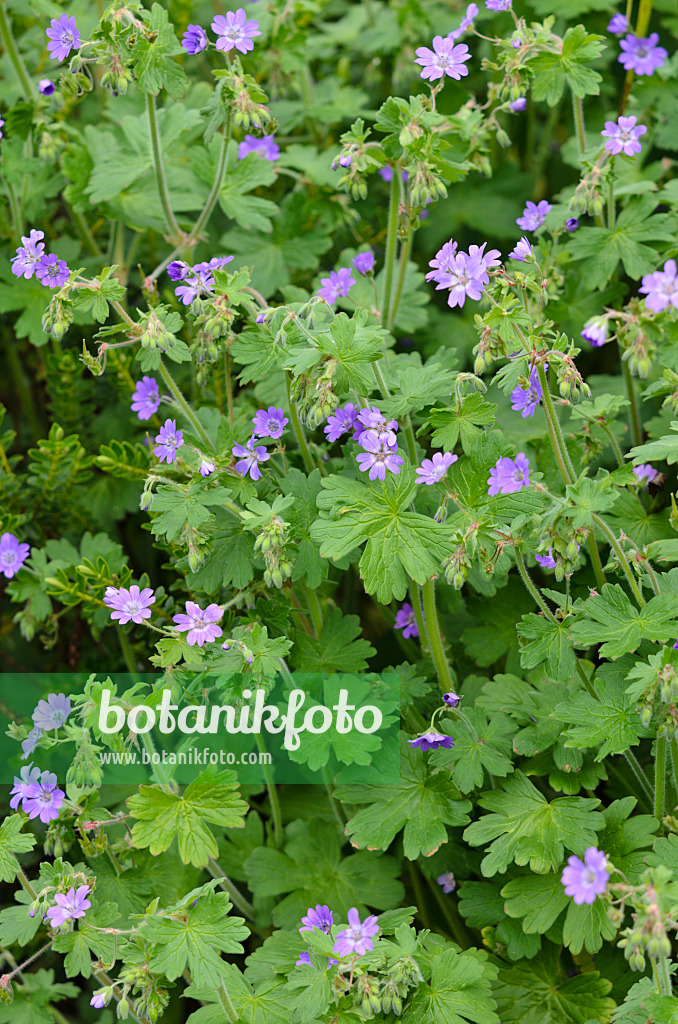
column 518, row 475
column 9, row 558
column 641, row 51
column 589, row 877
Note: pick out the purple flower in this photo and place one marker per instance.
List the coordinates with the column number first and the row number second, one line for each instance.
column 622, row 136
column 618, row 24
column 266, row 147
column 546, row 561
column 451, row 699
column 534, row 215
column 467, row 278
column 206, row 467
column 69, row 907
column 46, row 86
column 386, row 173
column 487, row 260
column 43, row 800
column 595, row 331
column 433, row 470
column 320, row 918
column 2, row 124
column 516, row 44
column 497, row 5
column 234, row 30
column 197, row 279
column 260, row 318
column 13, row 554
column 168, row 440
column 661, row 288
column 447, row 882
column 129, row 604
column 466, row 22
column 28, row 254
column 642, row 55
column 194, row 39
column 378, row 457
column 28, row 776
column 446, row 58
column 357, row 938
column 341, row 422
column 518, row 104
column 53, row 712
column 405, row 619
column 30, row 743
column 338, row 283
column 522, row 250
column 526, row 400
column 571, row 224
column 63, row 37
column 146, row 398
column 431, row 740
column 646, row 473
column 444, row 262
column 249, row 457
column 51, row 271
column 364, row 262
column 177, row 270
column 373, row 419
column 99, row 999
column 675, row 646
column 584, row 880
column 201, row 625
column 304, row 958
column 509, row 475
column 269, row 423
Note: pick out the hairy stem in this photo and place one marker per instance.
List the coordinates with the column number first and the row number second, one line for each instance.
column 611, row 215
column 555, row 433
column 660, row 778
column 634, row 408
column 628, row 571
column 185, row 407
column 276, row 813
column 299, row 430
column 173, row 229
column 435, row 637
column 531, row 588
column 578, row 112
column 226, row 1004
column 391, row 241
column 405, row 251
column 237, row 898
column 213, row 197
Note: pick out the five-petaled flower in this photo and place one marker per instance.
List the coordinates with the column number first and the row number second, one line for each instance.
column 618, row 25
column 533, row 215
column 199, row 625
column 525, row 400
column 269, row 422
column 168, row 440
column 133, row 604
column 431, row 740
column 249, row 456
column 320, row 918
column 337, row 284
column 53, row 712
column 447, row 882
column 642, row 55
column 646, row 473
column 342, row 421
column 235, row 31
column 661, row 288
column 13, row 554
column 622, row 136
column 194, row 39
column 509, row 475
column 51, row 271
column 43, row 800
column 27, row 255
column 446, row 58
column 522, row 251
column 364, row 262
column 595, row 331
column 69, row 907
column 29, row 776
column 406, row 620
column 146, row 398
column 266, row 147
column 433, row 470
column 584, row 880
column 358, row 937
column 63, row 37
column 378, row 456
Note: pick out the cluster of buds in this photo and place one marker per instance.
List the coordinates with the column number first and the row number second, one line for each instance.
column 457, row 567
column 647, row 935
column 639, row 350
column 366, row 995
column 588, row 195
column 314, row 395
column 355, row 160
column 403, row 975
column 247, row 100
column 571, row 384
column 562, row 543
column 58, row 317
column 152, row 331
column 117, row 77
column 196, row 543
column 490, row 347
column 216, row 320
column 425, row 185
column 150, row 1000
column 241, row 647
column 85, row 770
column 271, row 542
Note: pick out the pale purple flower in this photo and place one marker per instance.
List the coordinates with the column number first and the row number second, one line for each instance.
column 516, row 44
column 433, row 470
column 69, row 907
column 357, row 938
column 534, row 215
column 200, row 626
column 642, row 55
column 509, row 475
column 206, row 467
column 447, row 882
column 30, row 743
column 342, row 421
column 63, row 37
column 51, row 271
column 266, row 147
column 13, row 554
column 2, row 125
column 320, row 918
column 546, row 561
column 584, row 880
column 571, row 224
column 431, row 740
column 364, row 262
column 522, row 250
column 194, row 39
column 646, row 473
column 43, row 800
column 623, row 135
column 595, row 331
column 373, row 419
column 486, row 260
column 466, row 279
column 177, row 270
column 133, row 604
column 518, row 104
column 28, row 254
column 345, row 160
column 661, row 288
column 234, row 30
column 446, row 58
column 260, row 318
column 197, row 279
column 466, row 22
column 497, row 5
column 444, row 261
column 675, row 646
column 406, row 620
column 337, row 284
column 29, row 775
column 526, row 400
column 168, row 440
column 386, row 173
column 378, row 457
column 53, row 712
column 146, row 398
column 618, row 25
column 269, row 423
column 451, row 699
column 99, row 999
column 304, row 959
column 46, row 86
column 249, row 457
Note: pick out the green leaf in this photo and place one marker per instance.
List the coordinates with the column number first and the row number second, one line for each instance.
column 538, row 991
column 554, row 70
column 355, row 345
column 337, row 649
column 87, row 944
column 179, row 506
column 548, row 643
column 241, row 178
column 460, row 990
column 590, row 496
column 416, row 386
column 611, row 616
column 155, row 69
column 610, row 723
column 486, row 749
column 465, row 420
column 664, row 449
column 12, row 842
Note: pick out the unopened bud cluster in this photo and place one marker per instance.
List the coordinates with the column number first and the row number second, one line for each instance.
column 314, row 395
column 271, row 542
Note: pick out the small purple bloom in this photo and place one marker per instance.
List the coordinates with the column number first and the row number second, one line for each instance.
column 522, row 250
column 431, row 740
column 373, row 419
column 623, row 135
column 345, row 160
column 451, row 699
column 249, row 457
column 516, row 44
column 642, row 55
column 69, row 907
column 63, row 37
column 46, row 86
column 260, row 318
column 446, row 58
column 405, row 619
column 2, row 124
column 497, row 5
column 206, row 467
column 364, row 262
column 595, row 331
column 509, row 475
column 304, row 958
column 99, row 1000
column 546, row 561
column 646, row 473
column 197, row 279
column 51, row 271
column 534, row 215
column 378, row 457
column 518, row 104
column 201, row 626
column 584, row 880
column 31, row 742
column 433, row 470
column 168, row 440
column 133, row 604
column 618, row 25
column 571, row 224
column 320, row 918
column 386, row 173
column 675, row 646
column 357, row 938
column 234, row 30
column 337, row 284
column 194, row 39
column 661, row 288
column 447, row 882
column 466, row 22
column 526, row 400
column 53, row 712
column 43, row 800
column 269, row 423
column 341, row 422
column 177, row 270
column 28, row 776
column 28, row 254
column 13, row 554
column 443, row 263
column 266, row 147
column 146, row 398
column 466, row 279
